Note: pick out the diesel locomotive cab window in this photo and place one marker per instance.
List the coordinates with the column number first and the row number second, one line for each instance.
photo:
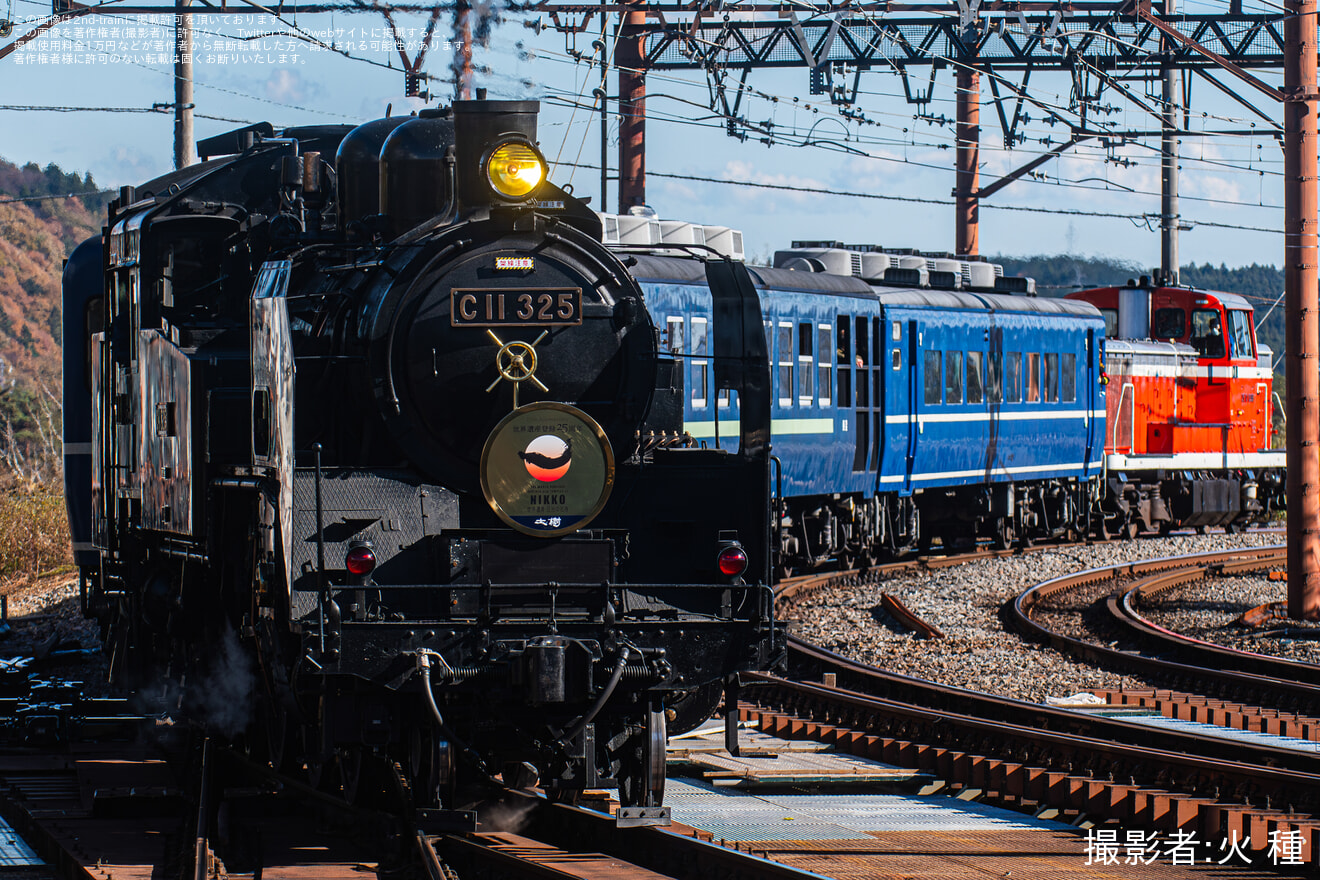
column 843, row 354
column 1208, row 333
column 1169, row 324
column 806, row 365
column 785, row 340
column 1033, row 377
column 1013, row 377
column 974, row 377
column 953, row 361
column 932, row 370
column 994, row 377
column 1239, row 334
column 1069, row 375
column 1111, row 322
column 700, row 367
column 1051, row 378
column 823, row 370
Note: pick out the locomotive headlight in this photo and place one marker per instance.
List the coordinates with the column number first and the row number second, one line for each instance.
column 515, row 169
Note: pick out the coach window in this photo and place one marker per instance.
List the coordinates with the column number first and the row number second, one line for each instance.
column 994, row 377
column 1033, row 377
column 1239, row 334
column 843, row 354
column 675, row 334
column 953, row 362
column 806, row 365
column 785, row 340
column 1207, row 333
column 932, row 378
column 974, row 377
column 1111, row 322
column 1050, row 380
column 861, row 358
column 700, row 391
column 824, row 382
column 1013, row 377
column 1069, row 376
column 1169, row 324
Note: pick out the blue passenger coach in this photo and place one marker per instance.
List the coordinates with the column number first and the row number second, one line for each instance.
column 901, row 414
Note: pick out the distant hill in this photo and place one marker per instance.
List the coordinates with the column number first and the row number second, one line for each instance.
column 39, row 225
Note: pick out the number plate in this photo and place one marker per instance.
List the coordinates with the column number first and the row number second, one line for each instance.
column 518, row 307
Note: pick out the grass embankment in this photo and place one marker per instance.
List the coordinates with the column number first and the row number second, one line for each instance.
column 34, row 535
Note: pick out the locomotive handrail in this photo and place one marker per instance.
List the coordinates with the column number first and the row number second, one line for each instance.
column 1118, row 415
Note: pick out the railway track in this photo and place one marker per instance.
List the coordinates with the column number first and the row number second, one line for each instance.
column 1021, row 755
column 561, row 841
column 1035, row 757
column 1178, row 662
column 125, row 809
column 1126, row 608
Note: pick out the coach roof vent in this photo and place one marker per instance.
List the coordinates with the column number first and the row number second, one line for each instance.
column 835, row 261
column 726, row 242
column 875, row 265
column 1016, row 284
column 980, row 276
column 640, row 228
column 945, row 273
column 679, row 232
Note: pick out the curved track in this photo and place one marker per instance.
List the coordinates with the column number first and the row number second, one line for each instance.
column 1199, row 669
column 1125, row 610
column 1029, row 755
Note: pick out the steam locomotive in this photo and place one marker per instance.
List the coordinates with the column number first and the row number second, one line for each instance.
column 396, row 430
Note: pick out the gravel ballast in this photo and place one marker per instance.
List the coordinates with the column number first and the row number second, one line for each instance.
column 965, row 603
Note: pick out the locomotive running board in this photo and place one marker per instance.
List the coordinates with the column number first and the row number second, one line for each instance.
column 636, row 817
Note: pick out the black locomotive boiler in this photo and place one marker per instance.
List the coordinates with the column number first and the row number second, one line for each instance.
column 372, row 412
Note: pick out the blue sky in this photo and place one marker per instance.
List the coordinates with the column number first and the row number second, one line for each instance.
column 896, row 153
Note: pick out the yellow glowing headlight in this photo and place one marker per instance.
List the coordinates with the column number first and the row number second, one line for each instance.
column 515, row 170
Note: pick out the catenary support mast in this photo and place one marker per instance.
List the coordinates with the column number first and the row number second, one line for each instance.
column 632, row 112
column 184, row 153
column 1169, row 164
column 1300, row 280
column 967, row 186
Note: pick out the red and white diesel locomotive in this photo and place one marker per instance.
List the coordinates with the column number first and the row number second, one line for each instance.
column 1188, row 410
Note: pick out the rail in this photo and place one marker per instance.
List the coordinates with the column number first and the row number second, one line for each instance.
column 1199, row 651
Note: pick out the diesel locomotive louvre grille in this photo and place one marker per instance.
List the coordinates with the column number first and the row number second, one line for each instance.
column 393, row 438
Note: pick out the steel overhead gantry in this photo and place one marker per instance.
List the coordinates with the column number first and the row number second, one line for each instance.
column 1101, row 45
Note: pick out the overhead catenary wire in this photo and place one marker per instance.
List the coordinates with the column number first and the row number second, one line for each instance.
column 859, row 138
column 163, row 108
column 653, row 116
column 1071, row 212
column 852, row 140
column 296, row 33
column 90, row 192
